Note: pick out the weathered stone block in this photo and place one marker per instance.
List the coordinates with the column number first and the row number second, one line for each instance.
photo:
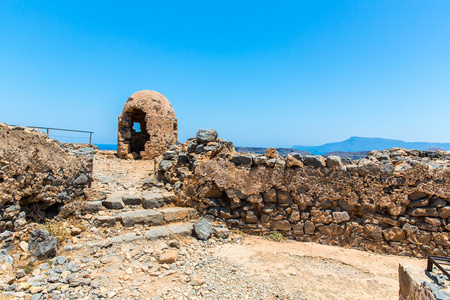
column 270, row 196
column 91, row 206
column 444, row 212
column 271, row 153
column 293, row 162
column 174, row 214
column 156, row 233
column 424, row 212
column 309, row 227
column 334, row 162
column 152, row 200
column 242, row 160
column 147, row 217
column 282, row 225
column 113, row 203
column 373, row 231
column 203, row 229
column 131, row 199
column 313, row 160
column 205, row 136
column 394, row 234
column 104, row 221
column 284, row 197
column 259, row 160
column 42, row 245
column 340, row 216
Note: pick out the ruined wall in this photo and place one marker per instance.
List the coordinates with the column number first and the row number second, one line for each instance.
column 154, row 114
column 395, row 201
column 37, row 169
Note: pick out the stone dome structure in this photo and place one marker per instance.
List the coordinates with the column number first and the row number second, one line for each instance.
column 147, row 126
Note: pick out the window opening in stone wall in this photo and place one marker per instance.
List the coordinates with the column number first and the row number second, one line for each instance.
column 137, row 127
column 139, row 134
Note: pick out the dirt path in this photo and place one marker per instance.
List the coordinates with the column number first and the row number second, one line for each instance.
column 319, row 271
column 119, row 176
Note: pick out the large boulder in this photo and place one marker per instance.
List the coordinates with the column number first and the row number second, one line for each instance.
column 205, row 136
column 203, row 229
column 41, row 244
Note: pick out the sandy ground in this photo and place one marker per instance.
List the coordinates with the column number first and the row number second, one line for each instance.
column 320, row 271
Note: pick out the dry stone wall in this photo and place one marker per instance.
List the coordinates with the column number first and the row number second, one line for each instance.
column 394, row 201
column 38, row 171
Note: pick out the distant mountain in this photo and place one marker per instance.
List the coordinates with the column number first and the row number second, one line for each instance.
column 357, row 144
column 352, row 155
column 258, row 150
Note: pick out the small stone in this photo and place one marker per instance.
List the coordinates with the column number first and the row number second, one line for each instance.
column 75, row 231
column 24, row 246
column 168, row 257
column 20, row 273
column 60, row 260
column 174, row 244
column 197, row 280
column 35, row 289
column 24, row 285
column 221, row 232
column 44, row 266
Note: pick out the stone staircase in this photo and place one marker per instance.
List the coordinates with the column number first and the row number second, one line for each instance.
column 148, row 209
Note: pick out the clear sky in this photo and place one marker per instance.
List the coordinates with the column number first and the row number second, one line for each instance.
column 262, row 73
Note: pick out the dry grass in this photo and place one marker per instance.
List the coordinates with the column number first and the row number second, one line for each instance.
column 57, row 229
column 276, row 236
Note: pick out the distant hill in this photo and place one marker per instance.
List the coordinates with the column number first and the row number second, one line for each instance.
column 258, row 150
column 357, row 144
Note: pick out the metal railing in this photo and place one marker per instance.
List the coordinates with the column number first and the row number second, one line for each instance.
column 60, row 129
column 439, row 262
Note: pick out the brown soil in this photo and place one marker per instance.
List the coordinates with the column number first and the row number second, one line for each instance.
column 320, row 271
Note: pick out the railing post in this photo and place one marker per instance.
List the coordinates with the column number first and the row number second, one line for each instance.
column 90, row 138
column 47, row 131
column 429, row 264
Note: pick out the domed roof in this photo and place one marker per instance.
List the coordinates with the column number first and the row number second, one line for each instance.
column 150, row 102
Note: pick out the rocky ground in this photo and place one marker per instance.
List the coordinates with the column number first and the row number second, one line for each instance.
column 140, row 262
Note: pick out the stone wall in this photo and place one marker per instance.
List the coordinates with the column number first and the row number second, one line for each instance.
column 40, row 172
column 394, row 201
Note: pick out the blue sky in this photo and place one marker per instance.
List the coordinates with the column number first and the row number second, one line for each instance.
column 262, row 73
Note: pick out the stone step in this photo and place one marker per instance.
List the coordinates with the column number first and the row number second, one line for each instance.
column 158, row 232
column 149, row 217
column 161, row 232
column 153, row 199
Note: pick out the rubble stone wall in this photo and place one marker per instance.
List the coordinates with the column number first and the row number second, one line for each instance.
column 37, row 169
column 394, row 201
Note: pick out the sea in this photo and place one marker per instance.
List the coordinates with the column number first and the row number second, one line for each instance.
column 106, row 146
